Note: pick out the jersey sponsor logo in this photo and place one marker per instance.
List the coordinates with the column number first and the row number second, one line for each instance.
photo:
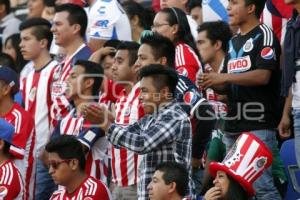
column 101, row 10
column 3, row 191
column 248, row 46
column 183, row 71
column 239, row 65
column 267, row 53
column 102, row 23
column 190, row 98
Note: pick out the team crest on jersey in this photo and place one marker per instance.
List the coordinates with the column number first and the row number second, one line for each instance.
column 3, row 191
column 190, row 98
column 267, row 53
column 32, row 94
column 182, row 71
column 248, row 46
column 239, row 65
column 127, row 111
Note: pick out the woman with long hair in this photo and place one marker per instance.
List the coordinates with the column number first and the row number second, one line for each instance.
column 173, row 24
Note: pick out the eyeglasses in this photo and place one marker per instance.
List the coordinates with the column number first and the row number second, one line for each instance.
column 158, row 25
column 55, row 163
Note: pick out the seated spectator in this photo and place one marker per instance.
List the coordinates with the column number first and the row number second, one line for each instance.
column 12, row 187
column 140, row 18
column 195, row 10
column 169, row 182
column 36, row 8
column 182, row 5
column 172, row 23
column 12, row 48
column 243, row 164
column 67, row 168
column 9, row 24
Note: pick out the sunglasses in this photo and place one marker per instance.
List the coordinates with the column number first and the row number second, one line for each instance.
column 56, row 163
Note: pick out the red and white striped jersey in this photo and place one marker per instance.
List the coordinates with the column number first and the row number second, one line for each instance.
column 276, row 15
column 187, row 62
column 124, row 162
column 111, row 92
column 89, row 189
column 11, row 186
column 37, row 101
column 61, row 104
column 97, row 158
column 23, row 146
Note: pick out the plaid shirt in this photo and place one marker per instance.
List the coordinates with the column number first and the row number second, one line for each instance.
column 164, row 136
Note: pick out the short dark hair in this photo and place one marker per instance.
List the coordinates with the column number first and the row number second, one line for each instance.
column 6, row 4
column 67, row 147
column 217, row 30
column 175, row 172
column 110, row 43
column 259, row 6
column 162, row 76
column 161, row 47
column 40, row 29
column 132, row 48
column 91, row 69
column 193, row 4
column 49, row 3
column 77, row 15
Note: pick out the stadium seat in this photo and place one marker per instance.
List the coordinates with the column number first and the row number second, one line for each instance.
column 287, row 154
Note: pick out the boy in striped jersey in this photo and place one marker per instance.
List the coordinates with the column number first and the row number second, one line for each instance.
column 66, row 166
column 24, row 133
column 11, row 186
column 83, row 87
column 36, row 39
column 251, row 81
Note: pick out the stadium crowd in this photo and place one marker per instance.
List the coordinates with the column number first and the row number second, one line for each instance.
column 140, row 99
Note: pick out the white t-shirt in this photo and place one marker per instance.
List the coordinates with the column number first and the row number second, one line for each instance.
column 107, row 20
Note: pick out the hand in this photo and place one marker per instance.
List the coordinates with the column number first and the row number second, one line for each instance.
column 96, row 56
column 284, row 127
column 211, row 79
column 98, row 115
column 213, row 193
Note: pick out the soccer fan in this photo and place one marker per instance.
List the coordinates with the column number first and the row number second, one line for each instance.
column 156, row 49
column 291, row 79
column 35, row 8
column 164, row 134
column 83, row 89
column 10, row 182
column 172, row 23
column 195, row 10
column 107, row 20
column 66, row 166
column 128, row 110
column 251, row 81
column 169, row 182
column 36, row 38
column 183, row 5
column 69, row 27
column 24, row 132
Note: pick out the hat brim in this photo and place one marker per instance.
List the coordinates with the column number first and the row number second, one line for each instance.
column 215, row 166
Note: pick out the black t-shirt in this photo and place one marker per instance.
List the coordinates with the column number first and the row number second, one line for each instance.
column 253, row 107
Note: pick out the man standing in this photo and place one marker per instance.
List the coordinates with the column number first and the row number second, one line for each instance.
column 164, row 134
column 251, row 83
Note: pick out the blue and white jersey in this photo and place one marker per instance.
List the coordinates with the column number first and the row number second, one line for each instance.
column 107, row 20
column 214, row 10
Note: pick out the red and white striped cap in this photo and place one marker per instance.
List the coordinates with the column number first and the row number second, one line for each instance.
column 245, row 162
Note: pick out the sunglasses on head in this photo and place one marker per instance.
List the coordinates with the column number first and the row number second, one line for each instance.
column 56, row 163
